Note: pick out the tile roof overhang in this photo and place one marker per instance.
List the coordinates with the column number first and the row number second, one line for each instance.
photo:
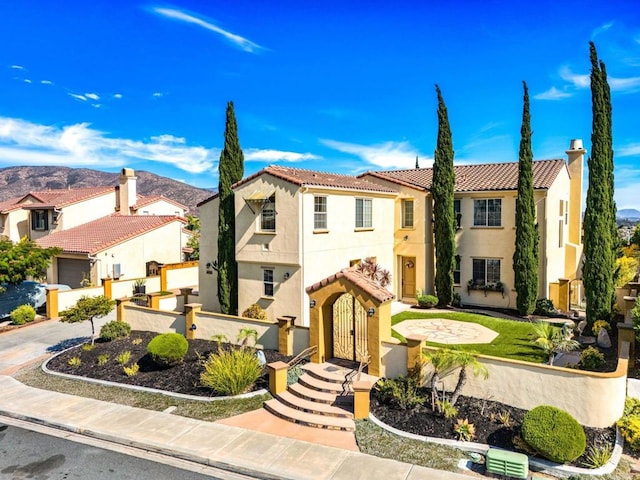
column 359, row 280
column 98, row 235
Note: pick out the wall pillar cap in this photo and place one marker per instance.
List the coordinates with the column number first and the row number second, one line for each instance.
column 416, row 337
column 362, row 385
column 278, row 365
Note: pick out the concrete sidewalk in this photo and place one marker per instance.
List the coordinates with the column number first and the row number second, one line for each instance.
column 222, row 446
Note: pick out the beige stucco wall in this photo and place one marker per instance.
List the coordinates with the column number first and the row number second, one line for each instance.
column 68, row 298
column 555, row 237
column 182, row 277
column 210, row 324
column 208, row 277
column 594, row 399
column 14, row 224
column 148, row 320
column 124, row 288
column 394, row 358
column 161, row 207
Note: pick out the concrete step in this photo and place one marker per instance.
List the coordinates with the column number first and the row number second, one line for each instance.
column 310, row 406
column 309, row 419
column 314, row 383
column 327, row 372
column 310, row 394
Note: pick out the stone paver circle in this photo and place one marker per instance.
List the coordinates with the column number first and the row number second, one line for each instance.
column 449, row 332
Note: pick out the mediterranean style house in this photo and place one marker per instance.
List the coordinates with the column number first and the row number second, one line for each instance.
column 86, row 222
column 295, row 227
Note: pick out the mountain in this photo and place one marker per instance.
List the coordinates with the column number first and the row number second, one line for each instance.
column 16, row 181
column 629, row 214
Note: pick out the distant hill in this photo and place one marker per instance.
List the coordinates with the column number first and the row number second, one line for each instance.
column 16, row 181
column 629, row 213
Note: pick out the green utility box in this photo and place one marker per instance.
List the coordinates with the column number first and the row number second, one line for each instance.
column 504, row 462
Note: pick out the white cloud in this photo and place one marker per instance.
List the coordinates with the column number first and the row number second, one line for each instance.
column 384, row 155
column 269, row 156
column 166, row 138
column 92, row 96
column 629, row 84
column 17, row 67
column 578, row 81
column 117, row 95
column 601, row 29
column 552, row 94
column 628, row 150
column 79, row 145
column 26, row 80
column 78, row 97
column 46, row 82
column 157, row 94
column 96, row 105
column 237, row 40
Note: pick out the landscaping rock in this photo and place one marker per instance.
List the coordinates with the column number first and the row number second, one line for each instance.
column 604, row 340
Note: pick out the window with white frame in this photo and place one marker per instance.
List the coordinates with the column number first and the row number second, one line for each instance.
column 486, row 270
column 457, row 212
column 39, row 220
column 407, row 213
column 487, row 212
column 319, row 213
column 267, row 282
column 268, row 215
column 456, row 270
column 364, row 213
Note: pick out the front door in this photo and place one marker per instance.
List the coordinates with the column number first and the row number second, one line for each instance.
column 409, row 277
column 349, row 329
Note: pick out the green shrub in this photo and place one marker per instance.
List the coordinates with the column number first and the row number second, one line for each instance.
column 400, row 393
column 554, row 434
column 428, row 301
column 168, row 349
column 132, row 370
column 114, row 329
column 87, row 347
column 123, row 357
column 464, row 430
column 456, row 300
column 631, row 406
column 74, row 362
column 591, row 358
column 598, row 455
column 630, row 428
column 103, row 358
column 294, row 373
column 599, row 325
column 545, row 307
column 255, row 311
column 231, row 371
column 22, row 315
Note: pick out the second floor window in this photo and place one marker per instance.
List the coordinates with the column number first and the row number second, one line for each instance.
column 487, row 212
column 364, row 213
column 319, row 213
column 268, row 216
column 457, row 212
column 39, row 220
column 486, row 270
column 456, row 270
column 407, row 213
column 267, row 282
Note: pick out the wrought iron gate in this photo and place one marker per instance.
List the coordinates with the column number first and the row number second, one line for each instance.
column 349, row 329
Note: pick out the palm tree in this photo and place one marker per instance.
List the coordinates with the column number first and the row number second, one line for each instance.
column 466, row 360
column 442, row 362
column 552, row 340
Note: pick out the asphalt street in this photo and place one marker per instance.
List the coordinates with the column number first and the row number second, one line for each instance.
column 27, row 454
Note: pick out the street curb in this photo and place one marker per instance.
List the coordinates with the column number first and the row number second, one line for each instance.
column 540, row 465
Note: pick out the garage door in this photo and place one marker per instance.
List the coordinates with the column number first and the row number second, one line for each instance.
column 70, row 271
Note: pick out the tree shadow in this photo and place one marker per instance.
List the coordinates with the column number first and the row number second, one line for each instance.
column 68, row 343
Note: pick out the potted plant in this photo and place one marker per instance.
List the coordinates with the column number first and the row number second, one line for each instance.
column 139, row 286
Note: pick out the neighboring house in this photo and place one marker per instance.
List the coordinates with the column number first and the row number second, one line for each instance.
column 485, row 197
column 14, row 220
column 115, row 246
column 293, row 228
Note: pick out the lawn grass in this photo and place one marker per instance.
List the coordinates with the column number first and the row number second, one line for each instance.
column 513, row 340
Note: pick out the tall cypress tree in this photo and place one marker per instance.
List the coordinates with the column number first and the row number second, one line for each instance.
column 231, row 169
column 599, row 218
column 442, row 190
column 525, row 257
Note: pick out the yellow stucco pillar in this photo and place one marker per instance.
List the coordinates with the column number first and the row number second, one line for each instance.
column 277, row 377
column 563, row 295
column 629, row 303
column 154, row 300
column 120, row 312
column 191, row 311
column 361, row 396
column 627, row 334
column 52, row 302
column 315, row 330
column 415, row 344
column 162, row 270
column 107, row 285
column 285, row 335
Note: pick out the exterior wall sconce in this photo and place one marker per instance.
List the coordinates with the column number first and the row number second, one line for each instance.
column 312, row 303
column 371, row 311
column 287, row 275
column 406, row 237
column 193, row 327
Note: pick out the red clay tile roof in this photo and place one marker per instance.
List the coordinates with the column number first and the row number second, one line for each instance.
column 93, row 237
column 476, row 178
column 142, row 201
column 63, row 197
column 359, row 280
column 301, row 177
column 10, row 204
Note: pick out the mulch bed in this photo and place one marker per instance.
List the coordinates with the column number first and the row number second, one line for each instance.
column 485, row 415
column 182, row 378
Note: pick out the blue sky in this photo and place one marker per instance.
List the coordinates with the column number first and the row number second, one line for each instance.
column 343, row 86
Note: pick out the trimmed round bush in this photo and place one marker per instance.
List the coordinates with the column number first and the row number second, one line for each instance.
column 22, row 315
column 114, row 329
column 554, row 434
column 168, row 349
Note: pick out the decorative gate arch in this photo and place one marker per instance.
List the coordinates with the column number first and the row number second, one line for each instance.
column 350, row 317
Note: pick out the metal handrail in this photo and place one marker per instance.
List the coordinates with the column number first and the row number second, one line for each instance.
column 348, row 379
column 306, row 353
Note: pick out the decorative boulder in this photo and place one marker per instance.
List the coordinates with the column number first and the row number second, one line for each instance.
column 604, row 340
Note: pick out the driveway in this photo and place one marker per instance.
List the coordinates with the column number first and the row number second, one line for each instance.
column 24, row 345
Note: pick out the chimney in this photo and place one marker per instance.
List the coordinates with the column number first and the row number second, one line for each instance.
column 575, row 166
column 127, row 195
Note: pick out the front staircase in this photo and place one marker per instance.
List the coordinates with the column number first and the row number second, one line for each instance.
column 322, row 398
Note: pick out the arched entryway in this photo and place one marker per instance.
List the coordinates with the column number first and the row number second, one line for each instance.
column 349, row 329
column 349, row 317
